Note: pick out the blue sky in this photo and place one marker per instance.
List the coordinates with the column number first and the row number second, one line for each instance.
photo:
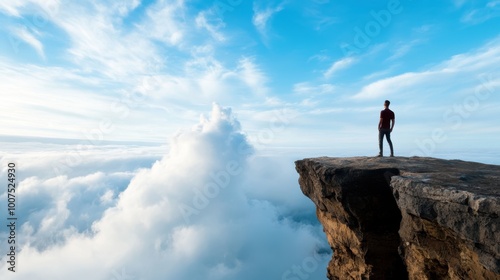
column 147, row 69
column 173, row 126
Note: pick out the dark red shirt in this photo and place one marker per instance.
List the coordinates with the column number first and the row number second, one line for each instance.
column 386, row 115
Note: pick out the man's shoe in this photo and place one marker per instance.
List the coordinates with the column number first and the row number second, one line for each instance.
column 392, row 156
column 380, row 155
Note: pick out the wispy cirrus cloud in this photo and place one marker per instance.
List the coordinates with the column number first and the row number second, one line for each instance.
column 99, row 40
column 312, row 89
column 102, row 45
column 393, row 85
column 17, row 7
column 203, row 21
column 11, row 7
column 262, row 17
column 403, row 48
column 338, row 65
column 253, row 76
column 478, row 15
column 464, row 68
column 166, row 55
column 28, row 37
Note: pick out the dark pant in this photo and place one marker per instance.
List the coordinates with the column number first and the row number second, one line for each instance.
column 387, row 133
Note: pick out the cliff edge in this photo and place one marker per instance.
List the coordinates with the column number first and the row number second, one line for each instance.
column 406, row 218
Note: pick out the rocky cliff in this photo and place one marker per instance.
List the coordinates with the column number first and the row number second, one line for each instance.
column 406, row 218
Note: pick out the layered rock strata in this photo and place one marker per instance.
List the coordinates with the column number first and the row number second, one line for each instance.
column 406, row 218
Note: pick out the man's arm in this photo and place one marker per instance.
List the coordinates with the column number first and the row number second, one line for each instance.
column 393, row 122
column 380, row 124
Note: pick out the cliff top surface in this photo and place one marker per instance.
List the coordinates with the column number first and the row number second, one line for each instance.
column 477, row 178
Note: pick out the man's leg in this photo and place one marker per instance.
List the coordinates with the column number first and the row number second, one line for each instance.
column 388, row 137
column 380, row 142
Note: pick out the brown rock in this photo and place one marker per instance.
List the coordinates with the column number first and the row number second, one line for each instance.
column 407, row 218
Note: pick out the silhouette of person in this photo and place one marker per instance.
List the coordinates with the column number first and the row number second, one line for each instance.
column 385, row 126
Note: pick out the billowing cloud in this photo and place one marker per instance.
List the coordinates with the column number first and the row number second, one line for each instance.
column 209, row 209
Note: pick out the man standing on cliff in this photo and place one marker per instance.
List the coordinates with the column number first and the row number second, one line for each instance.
column 385, row 126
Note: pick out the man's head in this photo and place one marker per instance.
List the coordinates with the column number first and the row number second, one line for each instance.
column 387, row 103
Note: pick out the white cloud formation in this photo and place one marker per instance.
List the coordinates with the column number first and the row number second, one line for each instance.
column 339, row 65
column 203, row 20
column 261, row 18
column 100, row 41
column 99, row 44
column 393, row 85
column 206, row 210
column 403, row 48
column 252, row 76
column 10, row 7
column 478, row 15
column 28, row 37
column 95, row 115
column 460, row 70
column 164, row 22
column 311, row 89
column 16, row 7
column 165, row 57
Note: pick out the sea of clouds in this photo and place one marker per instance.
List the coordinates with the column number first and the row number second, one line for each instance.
column 207, row 206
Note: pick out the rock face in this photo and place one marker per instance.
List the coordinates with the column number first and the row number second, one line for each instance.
column 406, row 218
